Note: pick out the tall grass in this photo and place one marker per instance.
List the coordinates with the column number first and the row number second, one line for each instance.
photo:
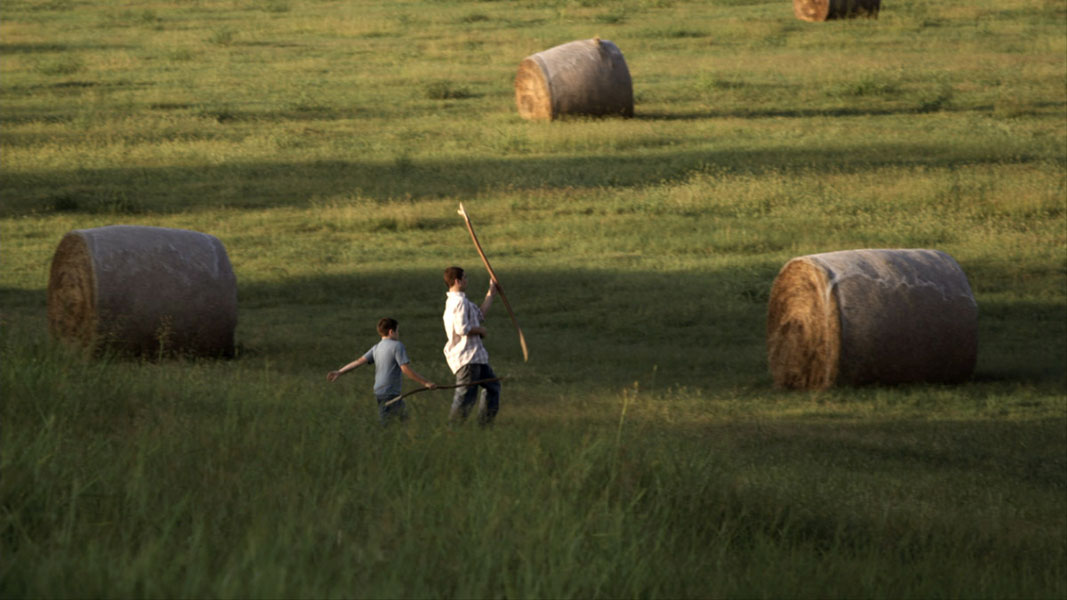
column 189, row 479
column 642, row 451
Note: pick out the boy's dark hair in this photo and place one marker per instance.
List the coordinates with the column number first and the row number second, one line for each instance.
column 452, row 275
column 386, row 325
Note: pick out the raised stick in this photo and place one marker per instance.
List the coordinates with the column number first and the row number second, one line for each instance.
column 492, row 275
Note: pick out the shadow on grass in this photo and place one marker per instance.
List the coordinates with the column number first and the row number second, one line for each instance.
column 53, row 47
column 598, row 328
column 603, row 328
column 1025, row 109
column 13, row 299
column 261, row 185
column 790, row 113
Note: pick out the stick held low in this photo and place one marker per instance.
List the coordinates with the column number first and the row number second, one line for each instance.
column 492, row 275
column 441, row 387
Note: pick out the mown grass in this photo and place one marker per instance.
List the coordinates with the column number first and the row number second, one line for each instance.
column 642, row 451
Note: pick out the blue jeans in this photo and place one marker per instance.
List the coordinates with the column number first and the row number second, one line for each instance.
column 464, row 397
column 396, row 410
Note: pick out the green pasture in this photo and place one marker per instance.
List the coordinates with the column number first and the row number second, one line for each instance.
column 643, row 450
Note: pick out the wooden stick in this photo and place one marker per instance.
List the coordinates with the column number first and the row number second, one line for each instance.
column 442, row 387
column 496, row 281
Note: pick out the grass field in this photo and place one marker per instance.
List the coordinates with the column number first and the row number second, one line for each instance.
column 642, row 451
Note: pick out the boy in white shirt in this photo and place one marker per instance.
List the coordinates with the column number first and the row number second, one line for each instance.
column 466, row 354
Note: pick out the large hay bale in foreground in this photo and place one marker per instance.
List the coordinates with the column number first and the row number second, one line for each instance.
column 586, row 77
column 143, row 290
column 826, row 10
column 871, row 316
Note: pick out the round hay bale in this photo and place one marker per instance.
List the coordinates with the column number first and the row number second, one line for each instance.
column 586, row 77
column 871, row 316
column 826, row 10
column 143, row 290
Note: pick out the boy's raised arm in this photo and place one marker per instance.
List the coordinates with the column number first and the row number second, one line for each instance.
column 489, row 295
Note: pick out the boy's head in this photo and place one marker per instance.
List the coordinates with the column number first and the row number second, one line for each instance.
column 452, row 275
column 386, row 325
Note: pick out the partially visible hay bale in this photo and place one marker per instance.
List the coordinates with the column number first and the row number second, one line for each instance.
column 871, row 316
column 143, row 290
column 586, row 77
column 826, row 10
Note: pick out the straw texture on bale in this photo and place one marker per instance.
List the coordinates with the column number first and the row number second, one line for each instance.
column 585, row 77
column 143, row 290
column 826, row 10
column 871, row 316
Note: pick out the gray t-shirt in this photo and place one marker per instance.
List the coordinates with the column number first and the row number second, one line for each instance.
column 387, row 356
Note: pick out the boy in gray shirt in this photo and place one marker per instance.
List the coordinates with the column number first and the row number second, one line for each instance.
column 390, row 359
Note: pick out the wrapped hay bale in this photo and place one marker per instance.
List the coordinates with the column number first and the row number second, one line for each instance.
column 871, row 316
column 586, row 77
column 143, row 290
column 825, row 10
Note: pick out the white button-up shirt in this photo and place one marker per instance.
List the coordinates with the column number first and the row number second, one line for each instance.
column 460, row 316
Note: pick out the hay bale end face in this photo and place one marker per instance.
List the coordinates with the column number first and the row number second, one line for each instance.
column 871, row 316
column 143, row 290
column 585, row 77
column 828, row 10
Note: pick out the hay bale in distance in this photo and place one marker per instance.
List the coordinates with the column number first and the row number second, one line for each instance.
column 585, row 77
column 826, row 10
column 143, row 290
column 871, row 316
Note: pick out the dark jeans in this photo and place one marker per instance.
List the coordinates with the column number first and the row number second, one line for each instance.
column 396, row 410
column 465, row 396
